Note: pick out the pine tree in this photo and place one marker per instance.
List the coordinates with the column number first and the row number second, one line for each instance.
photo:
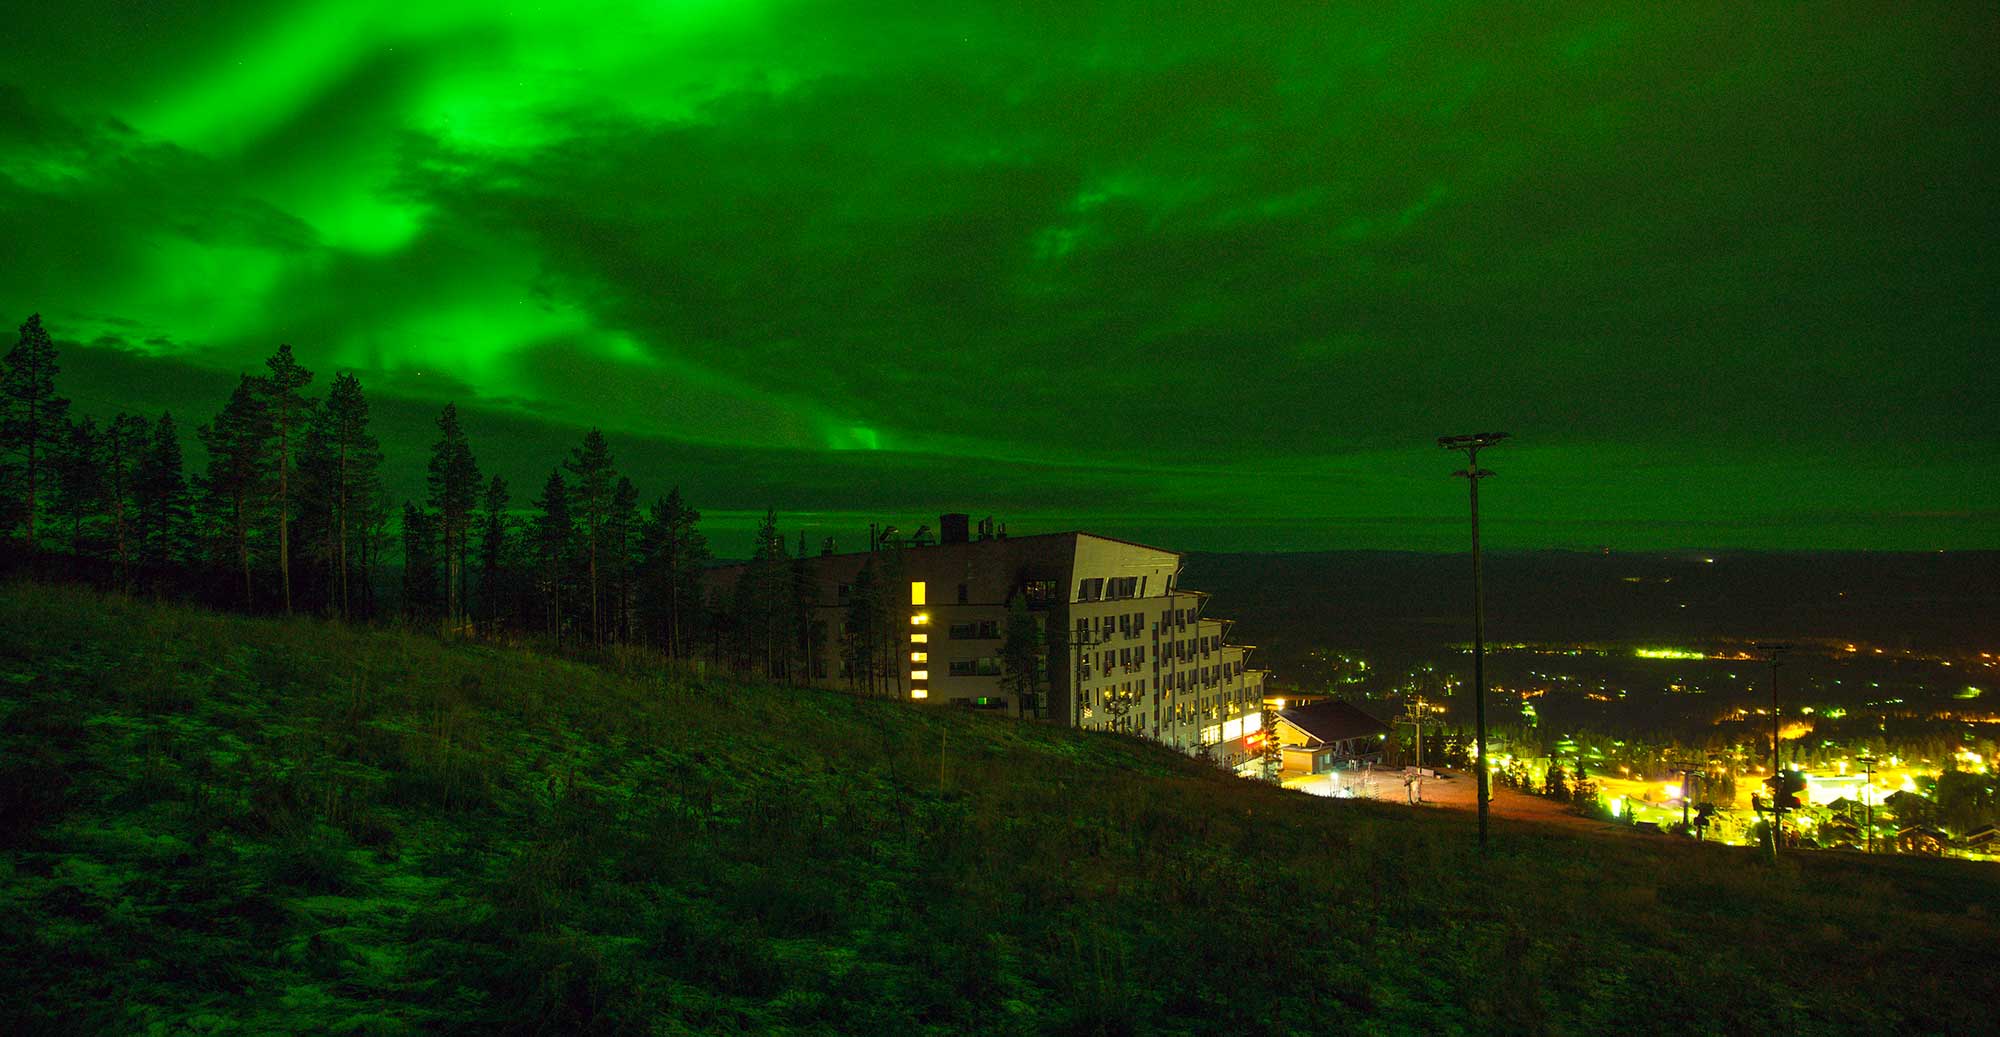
column 672, row 551
column 78, row 467
column 495, row 548
column 238, row 472
column 420, row 563
column 454, row 493
column 763, row 595
column 591, row 464
column 32, row 416
column 621, row 544
column 125, row 444
column 352, row 462
column 160, row 510
column 286, row 410
column 554, row 538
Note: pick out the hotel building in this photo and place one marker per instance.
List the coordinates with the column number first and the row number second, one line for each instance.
column 1126, row 648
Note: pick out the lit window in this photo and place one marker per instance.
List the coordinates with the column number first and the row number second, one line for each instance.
column 920, row 619
column 917, row 593
column 920, row 657
column 919, row 693
column 920, row 639
column 920, row 675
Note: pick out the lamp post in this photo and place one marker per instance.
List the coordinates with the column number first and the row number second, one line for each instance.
column 1472, row 444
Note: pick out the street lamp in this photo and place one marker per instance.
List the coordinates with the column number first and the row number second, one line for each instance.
column 1472, row 444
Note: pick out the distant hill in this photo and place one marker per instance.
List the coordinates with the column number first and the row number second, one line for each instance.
column 215, row 824
column 1410, row 603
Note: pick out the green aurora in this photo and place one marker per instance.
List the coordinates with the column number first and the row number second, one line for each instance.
column 1211, row 275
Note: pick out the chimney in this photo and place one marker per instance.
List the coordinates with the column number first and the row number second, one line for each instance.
column 954, row 528
column 826, row 547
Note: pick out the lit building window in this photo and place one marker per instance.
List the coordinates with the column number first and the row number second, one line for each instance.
column 920, row 639
column 917, row 592
column 919, row 693
column 920, row 657
column 920, row 675
column 920, row 619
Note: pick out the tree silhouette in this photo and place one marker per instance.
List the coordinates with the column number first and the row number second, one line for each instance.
column 78, row 466
column 454, row 491
column 238, row 469
column 420, row 563
column 495, row 548
column 591, row 465
column 672, row 552
column 554, row 537
column 346, row 463
column 160, row 499
column 1021, row 654
column 32, row 416
column 125, row 442
column 285, row 411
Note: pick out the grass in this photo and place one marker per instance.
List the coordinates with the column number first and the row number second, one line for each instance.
column 222, row 825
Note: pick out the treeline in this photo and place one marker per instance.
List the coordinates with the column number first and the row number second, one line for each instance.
column 290, row 514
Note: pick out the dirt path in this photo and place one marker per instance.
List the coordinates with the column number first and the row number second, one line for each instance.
column 1454, row 793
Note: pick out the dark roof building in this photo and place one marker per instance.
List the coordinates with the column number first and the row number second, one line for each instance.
column 1333, row 721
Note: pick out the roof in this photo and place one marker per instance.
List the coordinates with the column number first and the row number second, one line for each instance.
column 1332, row 721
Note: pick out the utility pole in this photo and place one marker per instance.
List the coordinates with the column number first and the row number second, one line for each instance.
column 1775, row 650
column 1414, row 716
column 1472, row 444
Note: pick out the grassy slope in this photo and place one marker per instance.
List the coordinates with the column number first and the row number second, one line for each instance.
column 214, row 823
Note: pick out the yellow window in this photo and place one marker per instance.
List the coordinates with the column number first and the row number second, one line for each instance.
column 917, row 592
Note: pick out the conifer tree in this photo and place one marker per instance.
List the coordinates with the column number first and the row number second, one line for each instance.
column 554, row 537
column 621, row 544
column 78, row 466
column 353, row 461
column 286, row 410
column 454, row 493
column 32, row 416
column 495, row 548
column 238, row 472
column 672, row 552
column 125, row 443
column 763, row 595
column 160, row 510
column 591, row 465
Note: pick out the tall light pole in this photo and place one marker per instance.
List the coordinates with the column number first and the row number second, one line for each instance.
column 1472, row 444
column 1775, row 650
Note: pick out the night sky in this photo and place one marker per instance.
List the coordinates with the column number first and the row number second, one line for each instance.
column 1212, row 275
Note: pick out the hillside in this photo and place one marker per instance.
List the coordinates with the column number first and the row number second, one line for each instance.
column 215, row 824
